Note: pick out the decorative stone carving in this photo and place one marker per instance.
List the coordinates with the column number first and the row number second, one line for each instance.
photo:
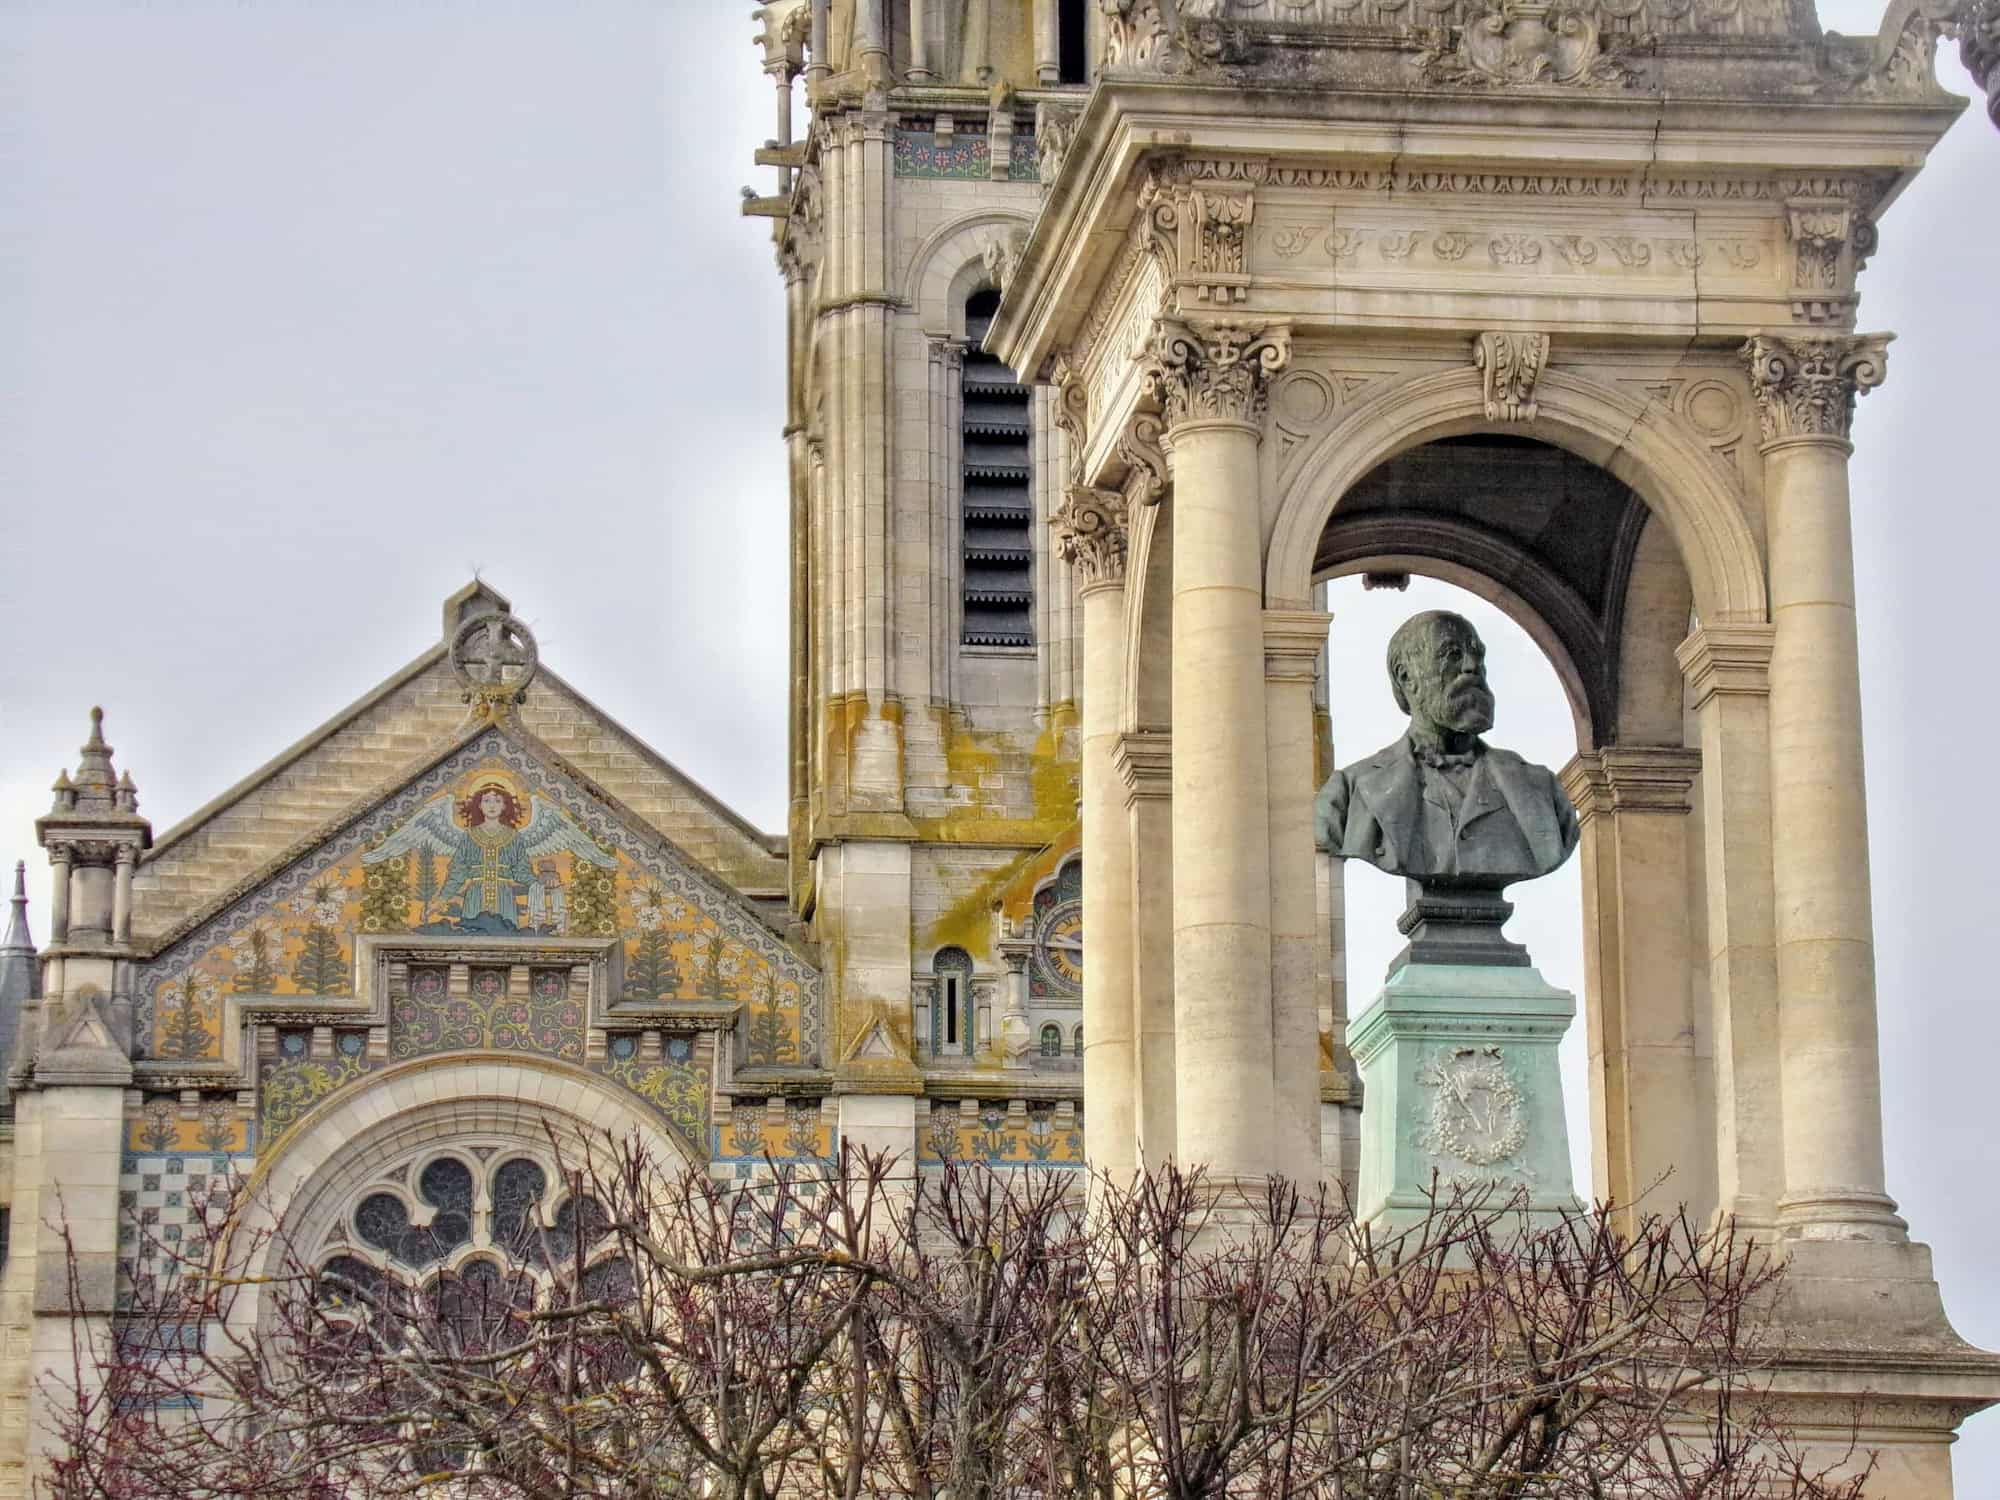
column 1478, row 1114
column 1214, row 371
column 1511, row 364
column 1090, row 533
column 1001, row 254
column 1831, row 241
column 1071, row 406
column 1979, row 49
column 1055, row 130
column 1806, row 384
column 1215, row 260
column 494, row 656
column 1135, row 34
column 1524, row 43
column 1140, row 447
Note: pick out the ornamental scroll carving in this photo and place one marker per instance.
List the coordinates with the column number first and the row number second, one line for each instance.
column 1525, row 44
column 1071, row 407
column 1806, row 384
column 1200, row 235
column 1090, row 534
column 1144, row 454
column 1214, row 372
column 1511, row 365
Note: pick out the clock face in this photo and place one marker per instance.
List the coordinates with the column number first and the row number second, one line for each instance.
column 1059, row 944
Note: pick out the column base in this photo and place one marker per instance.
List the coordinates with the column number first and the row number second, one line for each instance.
column 1458, row 1064
column 1831, row 1214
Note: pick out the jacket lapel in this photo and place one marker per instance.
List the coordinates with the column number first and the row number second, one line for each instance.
column 1513, row 785
column 1484, row 795
column 1395, row 795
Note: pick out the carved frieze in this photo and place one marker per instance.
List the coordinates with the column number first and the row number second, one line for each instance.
column 1090, row 533
column 1510, row 364
column 1212, row 371
column 1806, row 384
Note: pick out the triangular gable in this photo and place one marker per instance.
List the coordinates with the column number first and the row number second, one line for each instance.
column 498, row 839
column 294, row 799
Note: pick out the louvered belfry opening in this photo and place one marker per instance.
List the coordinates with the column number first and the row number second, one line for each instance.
column 999, row 558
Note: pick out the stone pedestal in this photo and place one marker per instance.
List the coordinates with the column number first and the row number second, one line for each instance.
column 1458, row 1063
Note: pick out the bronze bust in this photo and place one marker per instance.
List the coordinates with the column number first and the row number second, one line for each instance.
column 1441, row 806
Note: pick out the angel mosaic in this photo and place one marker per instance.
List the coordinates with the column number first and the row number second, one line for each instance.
column 503, row 876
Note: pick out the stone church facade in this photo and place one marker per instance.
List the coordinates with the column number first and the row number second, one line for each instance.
column 471, row 903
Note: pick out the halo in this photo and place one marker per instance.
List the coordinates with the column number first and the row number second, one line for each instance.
column 485, row 777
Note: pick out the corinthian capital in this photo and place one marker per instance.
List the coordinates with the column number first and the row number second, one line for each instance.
column 1089, row 529
column 1805, row 384
column 1215, row 372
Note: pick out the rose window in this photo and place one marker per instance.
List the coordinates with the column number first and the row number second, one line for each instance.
column 475, row 1237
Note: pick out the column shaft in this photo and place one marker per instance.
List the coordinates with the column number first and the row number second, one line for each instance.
column 1834, row 1180
column 1110, row 1123
column 1145, row 766
column 1221, row 781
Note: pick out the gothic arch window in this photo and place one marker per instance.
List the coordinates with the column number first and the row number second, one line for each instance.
column 1072, row 54
column 1076, row 1042
column 1052, row 1041
column 951, row 1004
column 997, row 561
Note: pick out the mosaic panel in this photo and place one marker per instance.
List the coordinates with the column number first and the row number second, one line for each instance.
column 999, row 1137
column 962, row 154
column 545, row 1019
column 803, row 1133
column 489, row 843
column 676, row 1084
column 294, row 1081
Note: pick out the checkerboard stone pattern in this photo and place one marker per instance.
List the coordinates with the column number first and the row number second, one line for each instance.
column 157, row 1195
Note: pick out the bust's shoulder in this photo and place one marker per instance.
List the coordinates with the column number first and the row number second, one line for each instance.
column 1390, row 758
column 1510, row 763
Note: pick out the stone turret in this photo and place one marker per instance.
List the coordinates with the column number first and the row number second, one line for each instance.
column 20, row 970
column 94, row 836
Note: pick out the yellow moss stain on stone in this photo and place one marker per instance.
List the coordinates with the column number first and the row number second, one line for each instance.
column 987, row 763
column 968, row 922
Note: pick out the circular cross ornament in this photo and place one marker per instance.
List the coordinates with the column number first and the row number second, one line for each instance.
column 495, row 657
column 1059, row 944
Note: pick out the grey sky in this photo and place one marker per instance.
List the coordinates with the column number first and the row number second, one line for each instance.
column 311, row 309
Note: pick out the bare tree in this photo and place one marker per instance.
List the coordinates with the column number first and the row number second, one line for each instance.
column 862, row 1330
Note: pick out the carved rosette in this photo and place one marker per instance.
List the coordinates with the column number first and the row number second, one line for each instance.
column 1090, row 533
column 1511, row 365
column 1215, row 372
column 1806, row 384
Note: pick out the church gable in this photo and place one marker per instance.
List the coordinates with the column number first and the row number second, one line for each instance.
column 290, row 802
column 455, row 908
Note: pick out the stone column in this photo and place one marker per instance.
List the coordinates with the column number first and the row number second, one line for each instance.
column 1647, row 1084
column 1145, row 770
column 1211, row 379
column 1089, row 528
column 59, row 866
column 817, row 66
column 1806, row 386
column 1048, row 55
column 919, row 70
column 1294, row 641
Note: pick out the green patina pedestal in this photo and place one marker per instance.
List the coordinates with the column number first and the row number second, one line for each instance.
column 1459, row 1066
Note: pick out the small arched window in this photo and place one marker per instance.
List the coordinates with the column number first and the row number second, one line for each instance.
column 1052, row 1040
column 1072, row 56
column 997, row 557
column 951, row 1004
column 1076, row 1038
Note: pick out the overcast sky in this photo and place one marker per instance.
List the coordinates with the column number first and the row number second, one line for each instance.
column 311, row 310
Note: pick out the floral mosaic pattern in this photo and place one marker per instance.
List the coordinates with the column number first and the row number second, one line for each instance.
column 294, row 1081
column 547, row 1020
column 999, row 1137
column 490, row 843
column 675, row 1085
column 962, row 154
column 804, row 1133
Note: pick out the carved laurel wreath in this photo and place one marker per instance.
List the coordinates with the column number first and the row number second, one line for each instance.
column 1456, row 1077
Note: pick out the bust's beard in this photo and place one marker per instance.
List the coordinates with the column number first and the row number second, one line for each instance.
column 1468, row 709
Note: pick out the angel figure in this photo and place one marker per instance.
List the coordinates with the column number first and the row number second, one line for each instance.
column 493, row 856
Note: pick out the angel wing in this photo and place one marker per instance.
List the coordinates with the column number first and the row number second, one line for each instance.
column 431, row 830
column 549, row 831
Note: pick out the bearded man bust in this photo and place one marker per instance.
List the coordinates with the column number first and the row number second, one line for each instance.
column 1441, row 805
